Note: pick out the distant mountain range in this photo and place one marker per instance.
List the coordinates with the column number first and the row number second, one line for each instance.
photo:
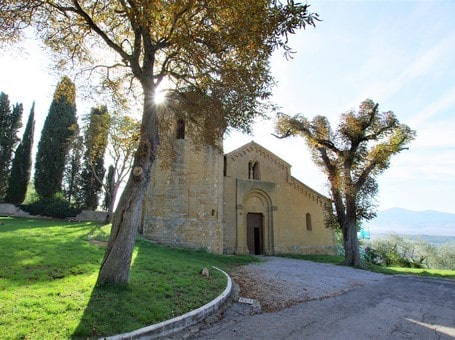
column 403, row 221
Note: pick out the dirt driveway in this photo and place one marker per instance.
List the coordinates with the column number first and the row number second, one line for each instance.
column 306, row 300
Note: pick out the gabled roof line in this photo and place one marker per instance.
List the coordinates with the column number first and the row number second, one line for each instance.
column 294, row 182
column 247, row 147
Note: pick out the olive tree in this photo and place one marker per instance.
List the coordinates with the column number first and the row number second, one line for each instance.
column 351, row 157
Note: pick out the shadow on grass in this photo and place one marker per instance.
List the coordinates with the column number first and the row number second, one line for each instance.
column 145, row 301
column 44, row 250
column 165, row 282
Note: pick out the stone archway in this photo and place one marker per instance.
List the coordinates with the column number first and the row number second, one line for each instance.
column 255, row 225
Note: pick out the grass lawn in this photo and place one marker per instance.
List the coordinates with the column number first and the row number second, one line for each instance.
column 48, row 271
column 436, row 273
column 336, row 259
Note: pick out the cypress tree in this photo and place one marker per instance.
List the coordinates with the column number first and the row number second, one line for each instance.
column 72, row 181
column 96, row 139
column 10, row 123
column 53, row 147
column 22, row 164
column 109, row 187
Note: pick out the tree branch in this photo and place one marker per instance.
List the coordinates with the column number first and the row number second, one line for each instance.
column 78, row 10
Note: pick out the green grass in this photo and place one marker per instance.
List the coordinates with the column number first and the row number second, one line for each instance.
column 48, row 271
column 336, row 259
column 437, row 273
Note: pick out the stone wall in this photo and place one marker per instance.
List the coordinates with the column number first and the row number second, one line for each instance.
column 7, row 209
column 183, row 205
column 283, row 201
column 91, row 216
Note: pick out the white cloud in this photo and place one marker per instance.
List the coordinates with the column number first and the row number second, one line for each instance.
column 445, row 102
column 388, row 72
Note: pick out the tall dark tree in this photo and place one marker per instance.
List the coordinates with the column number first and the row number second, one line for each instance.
column 213, row 54
column 53, row 147
column 72, row 175
column 351, row 157
column 108, row 188
column 96, row 139
column 10, row 123
column 22, row 164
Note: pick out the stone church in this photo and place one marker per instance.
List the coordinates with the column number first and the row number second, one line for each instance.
column 243, row 202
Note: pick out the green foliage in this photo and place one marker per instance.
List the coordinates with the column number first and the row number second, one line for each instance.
column 394, row 251
column 444, row 257
column 96, row 140
column 60, row 125
column 10, row 122
column 109, row 187
column 22, row 164
column 398, row 251
column 31, row 195
column 56, row 207
column 72, row 175
column 49, row 270
column 352, row 157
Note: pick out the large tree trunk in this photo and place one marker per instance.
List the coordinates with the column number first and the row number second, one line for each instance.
column 351, row 244
column 110, row 209
column 115, row 268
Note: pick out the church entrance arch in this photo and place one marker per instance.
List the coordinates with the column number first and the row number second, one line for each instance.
column 255, row 230
column 255, row 233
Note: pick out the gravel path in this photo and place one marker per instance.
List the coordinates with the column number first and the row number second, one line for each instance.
column 305, row 300
column 278, row 283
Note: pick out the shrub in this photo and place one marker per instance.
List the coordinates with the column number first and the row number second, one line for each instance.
column 443, row 257
column 396, row 251
column 51, row 207
column 370, row 255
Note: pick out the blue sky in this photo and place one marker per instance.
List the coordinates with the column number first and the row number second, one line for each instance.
column 401, row 54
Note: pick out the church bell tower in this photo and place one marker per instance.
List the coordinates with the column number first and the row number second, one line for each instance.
column 183, row 205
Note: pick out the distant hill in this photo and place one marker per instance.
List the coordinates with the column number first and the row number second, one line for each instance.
column 403, row 221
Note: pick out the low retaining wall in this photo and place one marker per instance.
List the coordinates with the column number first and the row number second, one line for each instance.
column 92, row 216
column 8, row 209
column 179, row 323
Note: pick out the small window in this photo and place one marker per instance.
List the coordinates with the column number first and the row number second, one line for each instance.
column 180, row 132
column 253, row 170
column 308, row 222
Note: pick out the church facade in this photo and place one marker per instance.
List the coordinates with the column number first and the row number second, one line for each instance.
column 243, row 202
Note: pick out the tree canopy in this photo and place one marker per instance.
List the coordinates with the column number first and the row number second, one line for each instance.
column 352, row 157
column 22, row 164
column 59, row 127
column 96, row 139
column 212, row 56
column 10, row 122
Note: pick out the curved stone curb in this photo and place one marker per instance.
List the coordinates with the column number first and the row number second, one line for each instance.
column 179, row 323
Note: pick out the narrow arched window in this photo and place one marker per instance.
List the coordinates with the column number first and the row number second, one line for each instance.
column 180, row 132
column 253, row 170
column 308, row 222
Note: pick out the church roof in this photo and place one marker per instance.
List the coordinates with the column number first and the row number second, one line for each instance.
column 297, row 184
column 255, row 146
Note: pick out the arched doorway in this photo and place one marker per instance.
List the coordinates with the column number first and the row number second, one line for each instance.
column 255, row 230
column 255, row 233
